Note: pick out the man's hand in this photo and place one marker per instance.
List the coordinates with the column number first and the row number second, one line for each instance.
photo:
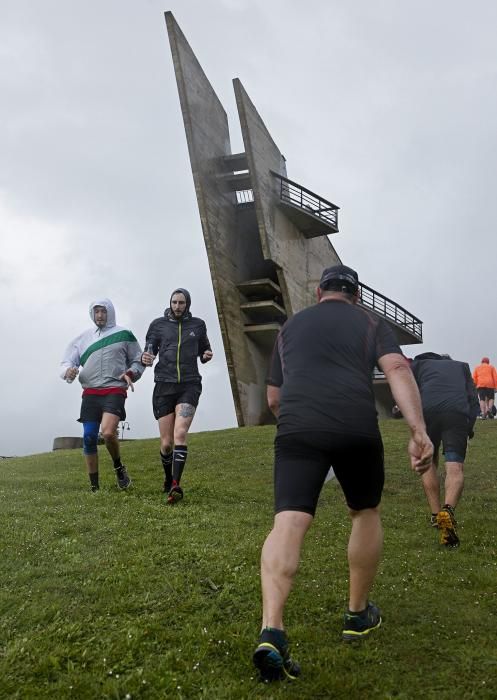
column 71, row 374
column 207, row 356
column 147, row 359
column 420, row 451
column 126, row 378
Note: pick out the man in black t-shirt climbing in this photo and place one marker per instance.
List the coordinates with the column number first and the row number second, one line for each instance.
column 450, row 407
column 320, row 389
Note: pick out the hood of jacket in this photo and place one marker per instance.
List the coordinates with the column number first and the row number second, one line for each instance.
column 186, row 313
column 111, row 314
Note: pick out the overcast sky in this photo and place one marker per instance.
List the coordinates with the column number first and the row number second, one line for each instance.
column 387, row 108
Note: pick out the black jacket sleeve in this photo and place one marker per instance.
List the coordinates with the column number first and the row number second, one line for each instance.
column 203, row 344
column 152, row 338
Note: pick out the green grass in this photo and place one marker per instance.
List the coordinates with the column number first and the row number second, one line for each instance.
column 115, row 595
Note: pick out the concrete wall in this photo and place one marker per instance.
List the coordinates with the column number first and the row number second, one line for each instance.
column 207, row 134
column 299, row 260
column 244, row 243
column 67, row 443
column 72, row 443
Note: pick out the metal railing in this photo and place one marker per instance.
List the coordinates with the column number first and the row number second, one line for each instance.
column 310, row 202
column 244, row 196
column 375, row 301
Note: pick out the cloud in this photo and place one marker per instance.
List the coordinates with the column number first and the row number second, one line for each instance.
column 388, row 110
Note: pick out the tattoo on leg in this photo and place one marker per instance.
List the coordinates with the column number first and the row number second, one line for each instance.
column 186, row 410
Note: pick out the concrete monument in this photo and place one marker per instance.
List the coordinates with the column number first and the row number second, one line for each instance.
column 266, row 236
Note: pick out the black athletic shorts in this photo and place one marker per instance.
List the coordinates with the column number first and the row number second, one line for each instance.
column 167, row 395
column 451, row 429
column 302, row 461
column 94, row 405
column 484, row 393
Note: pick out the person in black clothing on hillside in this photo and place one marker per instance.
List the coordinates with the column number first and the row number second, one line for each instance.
column 180, row 339
column 320, row 388
column 450, row 407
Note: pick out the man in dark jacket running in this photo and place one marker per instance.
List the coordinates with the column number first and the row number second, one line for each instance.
column 180, row 339
column 450, row 407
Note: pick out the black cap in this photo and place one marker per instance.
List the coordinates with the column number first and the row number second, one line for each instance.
column 339, row 273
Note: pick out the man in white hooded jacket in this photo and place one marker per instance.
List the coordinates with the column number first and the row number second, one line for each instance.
column 110, row 361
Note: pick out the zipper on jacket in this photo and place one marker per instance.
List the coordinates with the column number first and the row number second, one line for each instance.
column 177, row 353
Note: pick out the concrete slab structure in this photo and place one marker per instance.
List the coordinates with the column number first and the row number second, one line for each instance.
column 266, row 236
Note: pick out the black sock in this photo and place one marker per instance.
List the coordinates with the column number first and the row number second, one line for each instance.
column 180, row 454
column 277, row 635
column 94, row 480
column 281, row 634
column 357, row 612
column 167, row 465
column 118, row 468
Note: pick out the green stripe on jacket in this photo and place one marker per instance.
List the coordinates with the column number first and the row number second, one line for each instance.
column 119, row 337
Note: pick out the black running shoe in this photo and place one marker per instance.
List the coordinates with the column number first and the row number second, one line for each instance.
column 123, row 479
column 175, row 494
column 272, row 657
column 434, row 519
column 447, row 527
column 94, row 489
column 359, row 625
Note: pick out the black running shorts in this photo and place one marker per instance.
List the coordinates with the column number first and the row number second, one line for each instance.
column 93, row 406
column 167, row 395
column 484, row 393
column 451, row 429
column 302, row 461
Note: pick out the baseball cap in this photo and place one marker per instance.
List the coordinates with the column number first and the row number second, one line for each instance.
column 485, row 360
column 339, row 273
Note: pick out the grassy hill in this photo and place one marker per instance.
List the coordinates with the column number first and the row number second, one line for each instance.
column 116, row 595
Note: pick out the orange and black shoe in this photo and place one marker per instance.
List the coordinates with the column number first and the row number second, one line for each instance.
column 175, row 493
column 272, row 657
column 447, row 528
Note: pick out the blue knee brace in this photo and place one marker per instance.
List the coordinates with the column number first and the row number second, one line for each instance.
column 90, row 437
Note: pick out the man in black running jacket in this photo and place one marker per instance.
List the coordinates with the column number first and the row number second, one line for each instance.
column 180, row 339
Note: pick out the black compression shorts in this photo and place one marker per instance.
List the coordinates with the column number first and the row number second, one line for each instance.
column 302, row 461
column 93, row 406
column 167, row 395
column 450, row 429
